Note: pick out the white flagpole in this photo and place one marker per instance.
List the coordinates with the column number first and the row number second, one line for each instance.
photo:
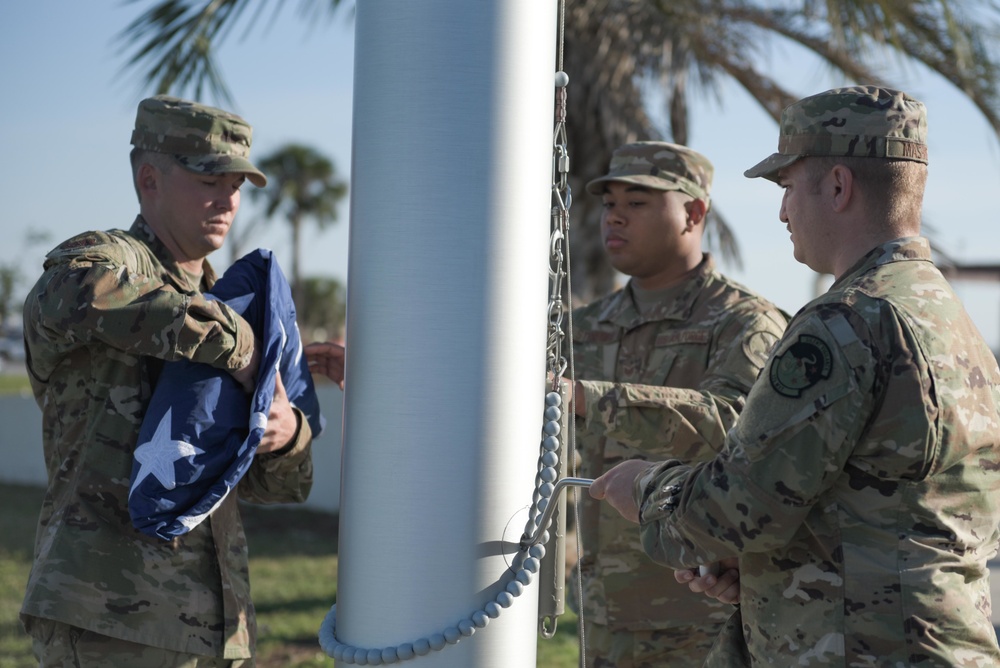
column 446, row 328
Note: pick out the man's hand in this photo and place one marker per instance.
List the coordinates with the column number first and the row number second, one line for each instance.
column 616, row 487
column 579, row 405
column 724, row 587
column 327, row 358
column 282, row 421
column 575, row 394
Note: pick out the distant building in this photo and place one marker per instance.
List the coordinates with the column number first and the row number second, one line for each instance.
column 957, row 272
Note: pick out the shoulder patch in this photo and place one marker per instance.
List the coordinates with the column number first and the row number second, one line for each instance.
column 802, row 365
column 758, row 346
column 81, row 243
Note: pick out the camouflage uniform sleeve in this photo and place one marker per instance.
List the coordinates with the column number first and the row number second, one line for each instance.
column 689, row 419
column 789, row 445
column 100, row 294
column 284, row 477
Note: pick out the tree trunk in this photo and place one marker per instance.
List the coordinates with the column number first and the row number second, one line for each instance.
column 297, row 295
column 601, row 99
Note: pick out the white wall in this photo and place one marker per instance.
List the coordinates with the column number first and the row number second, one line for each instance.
column 21, row 459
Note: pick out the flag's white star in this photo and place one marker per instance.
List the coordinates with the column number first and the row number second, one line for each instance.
column 157, row 456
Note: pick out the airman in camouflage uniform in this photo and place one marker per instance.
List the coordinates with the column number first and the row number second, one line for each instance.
column 679, row 334
column 106, row 313
column 858, row 487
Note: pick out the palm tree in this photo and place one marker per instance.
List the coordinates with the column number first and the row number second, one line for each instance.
column 323, row 309
column 617, row 51
column 11, row 274
column 302, row 184
column 9, row 277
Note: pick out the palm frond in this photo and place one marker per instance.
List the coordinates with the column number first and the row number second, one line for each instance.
column 174, row 43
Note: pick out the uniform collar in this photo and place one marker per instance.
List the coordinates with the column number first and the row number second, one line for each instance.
column 182, row 279
column 897, row 250
column 677, row 303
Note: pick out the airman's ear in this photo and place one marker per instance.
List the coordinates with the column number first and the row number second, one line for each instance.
column 696, row 209
column 842, row 179
column 147, row 178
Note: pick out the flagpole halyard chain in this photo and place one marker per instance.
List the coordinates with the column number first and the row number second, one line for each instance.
column 560, row 357
column 562, row 197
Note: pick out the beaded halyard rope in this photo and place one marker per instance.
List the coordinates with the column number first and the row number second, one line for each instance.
column 526, row 565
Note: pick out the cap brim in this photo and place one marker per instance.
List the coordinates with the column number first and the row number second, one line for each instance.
column 769, row 166
column 596, row 187
column 257, row 178
column 244, row 166
column 224, row 164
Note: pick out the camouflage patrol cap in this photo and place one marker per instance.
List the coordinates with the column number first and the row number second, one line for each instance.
column 859, row 121
column 202, row 139
column 660, row 166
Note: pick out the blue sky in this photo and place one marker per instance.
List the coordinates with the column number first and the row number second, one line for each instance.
column 69, row 109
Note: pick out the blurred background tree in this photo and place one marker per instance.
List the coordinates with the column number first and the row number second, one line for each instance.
column 325, row 316
column 11, row 277
column 302, row 185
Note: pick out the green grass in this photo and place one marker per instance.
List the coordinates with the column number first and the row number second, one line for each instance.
column 563, row 649
column 293, row 574
column 19, row 512
column 14, row 383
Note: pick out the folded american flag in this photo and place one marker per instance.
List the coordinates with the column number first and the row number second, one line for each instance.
column 201, row 429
